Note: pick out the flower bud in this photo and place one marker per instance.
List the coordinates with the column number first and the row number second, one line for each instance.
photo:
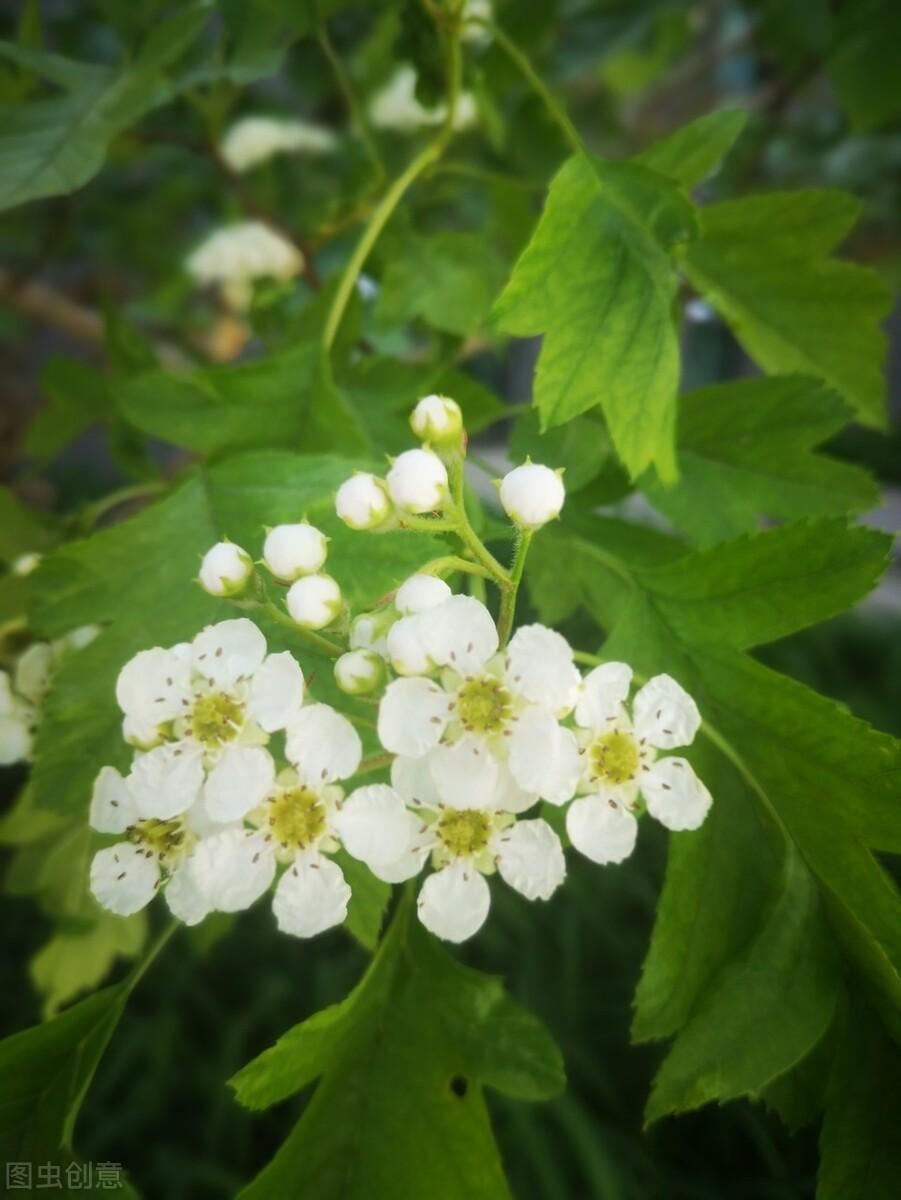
column 420, row 593
column 362, row 502
column 417, row 481
column 26, row 563
column 294, row 550
column 406, row 651
column 314, row 601
column 359, row 672
column 368, row 631
column 437, row 419
column 225, row 569
column 532, row 495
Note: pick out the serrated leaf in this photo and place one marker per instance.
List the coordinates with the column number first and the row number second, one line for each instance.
column 22, row 530
column 76, row 960
column 746, row 451
column 598, row 281
column 761, row 263
column 695, row 150
column 403, row 1061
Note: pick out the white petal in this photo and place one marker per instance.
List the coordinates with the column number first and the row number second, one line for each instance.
column 232, row 869
column 453, row 903
column 604, row 691
column 153, row 685
column 412, row 716
column 322, row 744
column 601, row 829
column 460, row 633
column 510, row 797
column 123, row 878
column 412, row 779
column 34, row 671
column 406, row 649
column 665, row 714
column 543, row 756
column 466, row 774
column 276, row 691
column 166, row 780
column 112, row 808
column 530, row 858
column 675, row 795
column 311, row 896
column 373, row 824
column 229, row 651
column 183, row 898
column 421, row 842
column 540, row 667
column 238, row 783
column 421, row 593
column 15, row 740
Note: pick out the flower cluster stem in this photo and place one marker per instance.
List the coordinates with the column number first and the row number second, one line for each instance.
column 508, row 593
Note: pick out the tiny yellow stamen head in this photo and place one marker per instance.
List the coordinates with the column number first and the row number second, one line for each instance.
column 483, row 705
column 465, row 832
column 216, row 719
column 614, row 757
column 297, row 818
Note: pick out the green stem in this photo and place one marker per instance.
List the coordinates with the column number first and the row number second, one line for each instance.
column 137, row 491
column 323, row 644
column 465, row 531
column 452, row 562
column 140, row 969
column 395, row 193
column 508, row 594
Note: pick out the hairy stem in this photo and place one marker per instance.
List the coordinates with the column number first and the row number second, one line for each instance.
column 323, row 644
column 508, row 594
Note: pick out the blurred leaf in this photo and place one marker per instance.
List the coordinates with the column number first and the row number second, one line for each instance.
column 22, row 530
column 863, row 66
column 695, row 150
column 403, row 1060
column 598, row 281
column 77, row 960
column 761, row 262
column 78, row 397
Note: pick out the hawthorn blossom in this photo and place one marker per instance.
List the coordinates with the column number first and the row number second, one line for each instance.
column 255, row 139
column 619, row 756
column 532, row 495
column 234, row 256
column 396, row 106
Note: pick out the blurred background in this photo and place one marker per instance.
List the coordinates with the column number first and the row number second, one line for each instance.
column 820, row 80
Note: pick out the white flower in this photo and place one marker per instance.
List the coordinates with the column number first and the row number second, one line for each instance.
column 17, row 721
column 362, row 502
column 405, row 647
column 314, row 601
column 395, row 106
column 464, row 845
column 421, row 593
column 474, row 12
column 26, row 563
column 359, row 671
column 491, row 714
column 293, row 550
column 437, row 419
column 205, row 711
column 125, row 877
column 417, row 481
column 619, row 762
column 532, row 495
column 238, row 254
column 225, row 569
column 253, row 140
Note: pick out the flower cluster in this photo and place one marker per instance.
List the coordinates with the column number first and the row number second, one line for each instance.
column 254, row 140
column 233, row 257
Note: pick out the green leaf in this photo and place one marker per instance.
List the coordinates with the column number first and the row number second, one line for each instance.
column 78, row 397
column 402, row 1062
column 761, row 262
column 695, row 150
column 52, row 146
column 763, row 1013
column 746, row 451
column 368, row 901
column 22, row 530
column 863, row 64
column 598, row 281
column 76, row 960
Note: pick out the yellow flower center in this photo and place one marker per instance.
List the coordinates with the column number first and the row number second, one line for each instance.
column 614, row 757
column 297, row 818
column 164, row 839
column 216, row 719
column 483, row 705
column 465, row 832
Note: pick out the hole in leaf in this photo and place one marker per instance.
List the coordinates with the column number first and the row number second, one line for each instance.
column 459, row 1085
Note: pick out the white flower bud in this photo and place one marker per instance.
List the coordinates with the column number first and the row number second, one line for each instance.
column 406, row 650
column 532, row 495
column 420, row 593
column 314, row 601
column 225, row 569
column 418, row 481
column 437, row 419
column 369, row 630
column 362, row 502
column 359, row 672
column 293, row 550
column 26, row 563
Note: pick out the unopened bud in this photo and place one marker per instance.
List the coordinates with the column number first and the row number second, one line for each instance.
column 225, row 569
column 294, row 550
column 417, row 481
column 532, row 495
column 314, row 601
column 359, row 672
column 362, row 502
column 437, row 419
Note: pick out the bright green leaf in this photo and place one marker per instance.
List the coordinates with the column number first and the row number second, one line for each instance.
column 695, row 150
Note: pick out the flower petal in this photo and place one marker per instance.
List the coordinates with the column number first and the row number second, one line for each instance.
column 276, row 691
column 322, row 744
column 238, row 783
column 453, row 903
column 232, row 869
column 406, row 649
column 530, row 858
column 311, row 896
column 112, row 807
column 543, row 756
column 412, row 716
column 154, row 686
column 412, row 779
column 229, row 651
column 675, row 795
column 604, row 691
column 460, row 633
column 665, row 714
column 466, row 774
column 184, row 900
column 539, row 666
column 166, row 780
column 420, row 845
column 373, row 824
column 601, row 829
column 123, row 878
column 510, row 797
